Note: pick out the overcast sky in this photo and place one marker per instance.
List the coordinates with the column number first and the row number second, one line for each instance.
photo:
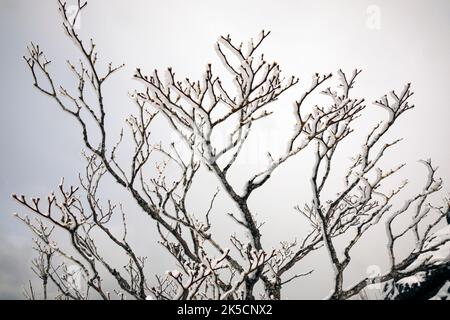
column 393, row 42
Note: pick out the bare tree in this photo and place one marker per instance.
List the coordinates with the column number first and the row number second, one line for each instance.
column 227, row 105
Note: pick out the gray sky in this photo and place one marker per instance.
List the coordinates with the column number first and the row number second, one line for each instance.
column 394, row 42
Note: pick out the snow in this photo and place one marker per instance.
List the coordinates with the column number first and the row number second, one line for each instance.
column 438, row 256
column 273, row 280
column 54, row 245
column 413, row 280
column 218, row 262
column 444, row 293
column 175, row 273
